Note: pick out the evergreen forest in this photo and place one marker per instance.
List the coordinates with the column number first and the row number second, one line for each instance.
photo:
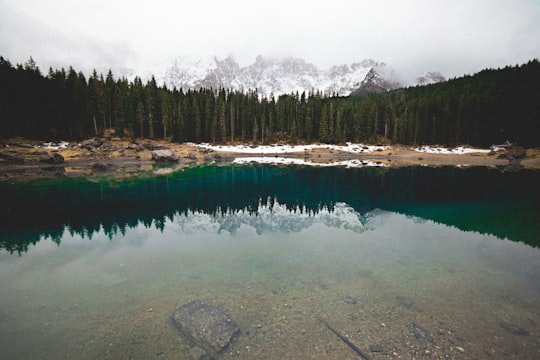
column 487, row 108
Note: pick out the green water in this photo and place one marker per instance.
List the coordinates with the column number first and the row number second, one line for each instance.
column 92, row 268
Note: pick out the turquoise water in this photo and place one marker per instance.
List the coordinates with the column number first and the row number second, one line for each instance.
column 421, row 261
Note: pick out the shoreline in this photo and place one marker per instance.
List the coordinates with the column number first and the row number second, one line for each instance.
column 27, row 160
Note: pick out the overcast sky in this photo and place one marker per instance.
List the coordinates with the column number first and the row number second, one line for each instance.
column 451, row 36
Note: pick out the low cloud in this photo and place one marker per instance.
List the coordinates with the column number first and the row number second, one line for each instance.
column 454, row 38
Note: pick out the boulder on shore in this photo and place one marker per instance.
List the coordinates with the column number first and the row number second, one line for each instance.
column 53, row 158
column 11, row 157
column 165, row 156
column 513, row 152
column 206, row 327
column 91, row 144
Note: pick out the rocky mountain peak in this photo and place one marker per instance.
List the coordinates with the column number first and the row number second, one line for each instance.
column 276, row 76
column 430, row 77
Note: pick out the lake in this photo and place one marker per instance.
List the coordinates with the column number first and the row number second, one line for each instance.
column 407, row 262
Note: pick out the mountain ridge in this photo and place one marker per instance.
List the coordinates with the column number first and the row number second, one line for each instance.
column 277, row 76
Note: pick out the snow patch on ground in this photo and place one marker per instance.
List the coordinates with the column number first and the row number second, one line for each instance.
column 56, row 146
column 451, row 151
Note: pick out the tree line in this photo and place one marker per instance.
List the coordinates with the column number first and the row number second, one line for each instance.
column 486, row 108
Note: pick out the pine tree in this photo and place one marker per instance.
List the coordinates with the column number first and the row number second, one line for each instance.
column 140, row 118
column 166, row 116
column 197, row 122
column 221, row 117
column 97, row 101
column 232, row 116
column 323, row 125
column 180, row 126
column 121, row 106
column 109, row 96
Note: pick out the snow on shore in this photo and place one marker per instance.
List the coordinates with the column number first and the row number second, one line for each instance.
column 454, row 151
column 56, row 146
column 286, row 149
column 349, row 148
column 296, row 161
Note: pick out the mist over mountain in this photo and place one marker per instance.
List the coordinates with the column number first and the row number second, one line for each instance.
column 273, row 76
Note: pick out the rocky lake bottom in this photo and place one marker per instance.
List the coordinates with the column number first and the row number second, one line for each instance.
column 395, row 286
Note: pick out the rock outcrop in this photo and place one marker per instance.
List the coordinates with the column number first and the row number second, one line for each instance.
column 52, row 158
column 164, row 156
column 11, row 157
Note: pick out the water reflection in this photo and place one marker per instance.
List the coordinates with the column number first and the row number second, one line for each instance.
column 408, row 284
column 274, row 248
column 272, row 217
column 475, row 199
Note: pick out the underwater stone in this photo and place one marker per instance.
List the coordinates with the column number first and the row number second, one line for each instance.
column 99, row 166
column 421, row 333
column 514, row 329
column 196, row 353
column 324, row 285
column 205, row 326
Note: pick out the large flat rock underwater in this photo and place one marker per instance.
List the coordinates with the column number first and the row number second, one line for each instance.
column 205, row 327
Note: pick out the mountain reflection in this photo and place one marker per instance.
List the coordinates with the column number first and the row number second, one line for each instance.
column 476, row 199
column 271, row 217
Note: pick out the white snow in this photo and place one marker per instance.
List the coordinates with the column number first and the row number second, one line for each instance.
column 286, row 149
column 450, row 151
column 276, row 150
column 56, row 146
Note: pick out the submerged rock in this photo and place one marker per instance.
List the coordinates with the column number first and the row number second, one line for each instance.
column 196, row 353
column 99, row 166
column 514, row 329
column 420, row 333
column 407, row 303
column 324, row 285
column 205, row 326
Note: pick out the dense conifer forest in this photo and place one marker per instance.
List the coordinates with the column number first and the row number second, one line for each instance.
column 483, row 109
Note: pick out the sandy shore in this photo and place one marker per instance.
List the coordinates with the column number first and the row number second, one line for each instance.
column 25, row 158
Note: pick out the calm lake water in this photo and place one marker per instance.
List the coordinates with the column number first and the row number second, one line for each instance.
column 407, row 263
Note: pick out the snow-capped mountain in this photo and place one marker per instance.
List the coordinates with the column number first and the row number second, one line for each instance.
column 270, row 76
column 375, row 82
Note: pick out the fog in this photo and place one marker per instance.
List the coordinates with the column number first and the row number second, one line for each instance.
column 134, row 37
